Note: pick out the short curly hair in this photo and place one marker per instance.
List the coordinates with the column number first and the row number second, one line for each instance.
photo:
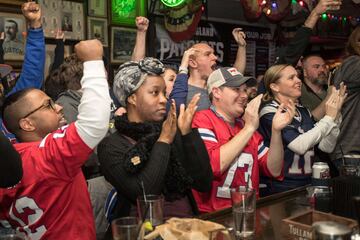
column 66, row 77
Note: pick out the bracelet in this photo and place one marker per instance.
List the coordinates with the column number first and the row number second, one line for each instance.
column 183, row 70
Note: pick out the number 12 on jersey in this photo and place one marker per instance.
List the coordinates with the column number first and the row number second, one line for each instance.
column 306, row 166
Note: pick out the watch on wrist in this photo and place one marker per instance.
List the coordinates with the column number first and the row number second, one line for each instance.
column 183, row 70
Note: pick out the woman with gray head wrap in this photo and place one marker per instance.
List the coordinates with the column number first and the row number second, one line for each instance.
column 146, row 149
column 131, row 75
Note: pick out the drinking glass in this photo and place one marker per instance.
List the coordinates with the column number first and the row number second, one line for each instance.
column 125, row 228
column 244, row 212
column 323, row 199
column 333, row 6
column 150, row 209
column 349, row 170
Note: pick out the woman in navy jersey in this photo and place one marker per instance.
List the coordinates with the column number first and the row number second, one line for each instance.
column 299, row 137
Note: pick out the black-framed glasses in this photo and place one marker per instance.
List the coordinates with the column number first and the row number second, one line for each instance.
column 48, row 104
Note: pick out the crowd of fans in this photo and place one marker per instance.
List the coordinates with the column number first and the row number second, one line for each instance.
column 76, row 153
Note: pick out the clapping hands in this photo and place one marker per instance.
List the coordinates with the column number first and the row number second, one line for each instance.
column 168, row 129
column 183, row 122
column 335, row 101
column 186, row 115
column 284, row 115
column 251, row 115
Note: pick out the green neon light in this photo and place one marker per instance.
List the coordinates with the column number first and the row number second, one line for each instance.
column 124, row 12
column 172, row 3
column 124, row 8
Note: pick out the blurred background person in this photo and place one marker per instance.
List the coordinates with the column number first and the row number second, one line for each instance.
column 348, row 144
column 10, row 164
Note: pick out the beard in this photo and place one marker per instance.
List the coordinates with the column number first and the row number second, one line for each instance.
column 322, row 79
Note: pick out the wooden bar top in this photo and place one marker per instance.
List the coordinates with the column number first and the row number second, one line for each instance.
column 270, row 211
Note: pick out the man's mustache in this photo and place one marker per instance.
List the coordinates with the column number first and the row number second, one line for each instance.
column 322, row 75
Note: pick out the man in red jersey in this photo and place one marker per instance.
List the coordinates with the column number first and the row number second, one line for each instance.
column 52, row 201
column 236, row 150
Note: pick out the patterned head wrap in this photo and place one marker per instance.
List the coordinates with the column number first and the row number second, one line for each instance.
column 131, row 75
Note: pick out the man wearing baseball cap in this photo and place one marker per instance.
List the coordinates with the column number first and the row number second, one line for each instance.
column 236, row 150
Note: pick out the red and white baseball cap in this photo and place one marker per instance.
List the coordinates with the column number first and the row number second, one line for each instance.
column 226, row 76
column 5, row 70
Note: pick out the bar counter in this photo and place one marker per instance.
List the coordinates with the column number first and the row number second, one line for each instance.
column 270, row 211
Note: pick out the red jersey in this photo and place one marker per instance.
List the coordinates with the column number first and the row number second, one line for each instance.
column 215, row 132
column 52, row 200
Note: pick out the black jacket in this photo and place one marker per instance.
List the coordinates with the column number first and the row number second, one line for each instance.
column 348, row 141
column 133, row 154
column 10, row 164
column 292, row 52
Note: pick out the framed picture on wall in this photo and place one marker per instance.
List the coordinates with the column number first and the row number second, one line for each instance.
column 97, row 28
column 50, row 55
column 65, row 15
column 122, row 44
column 14, row 27
column 50, row 18
column 125, row 12
column 97, row 8
column 13, row 2
column 72, row 20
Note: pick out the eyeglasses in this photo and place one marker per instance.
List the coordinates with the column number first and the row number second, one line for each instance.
column 49, row 104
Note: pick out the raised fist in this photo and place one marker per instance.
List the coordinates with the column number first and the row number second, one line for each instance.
column 32, row 13
column 89, row 50
column 142, row 24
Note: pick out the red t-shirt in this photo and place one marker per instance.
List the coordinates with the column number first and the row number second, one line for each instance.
column 52, row 200
column 215, row 132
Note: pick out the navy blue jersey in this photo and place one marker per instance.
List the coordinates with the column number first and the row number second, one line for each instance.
column 297, row 168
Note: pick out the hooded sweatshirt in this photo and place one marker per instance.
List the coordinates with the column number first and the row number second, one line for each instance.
column 70, row 101
column 349, row 137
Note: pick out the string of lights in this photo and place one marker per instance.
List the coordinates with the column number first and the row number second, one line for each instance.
column 269, row 6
